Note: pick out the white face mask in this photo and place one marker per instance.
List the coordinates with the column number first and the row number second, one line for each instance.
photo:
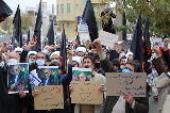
column 154, row 56
column 31, row 61
column 79, row 57
column 40, row 62
column 12, row 62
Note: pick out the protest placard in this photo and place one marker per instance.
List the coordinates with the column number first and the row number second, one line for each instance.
column 45, row 75
column 124, row 84
column 49, row 97
column 107, row 39
column 81, row 74
column 18, row 78
column 86, row 93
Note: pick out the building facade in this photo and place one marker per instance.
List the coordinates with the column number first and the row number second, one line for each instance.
column 68, row 12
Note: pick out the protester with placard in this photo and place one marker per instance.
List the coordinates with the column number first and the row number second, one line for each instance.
column 88, row 62
column 126, row 103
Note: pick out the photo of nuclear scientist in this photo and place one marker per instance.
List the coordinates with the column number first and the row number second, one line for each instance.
column 18, row 77
column 51, row 75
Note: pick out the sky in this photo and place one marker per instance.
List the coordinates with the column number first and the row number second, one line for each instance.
column 25, row 4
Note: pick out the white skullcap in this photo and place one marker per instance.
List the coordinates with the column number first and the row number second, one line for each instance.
column 76, row 59
column 120, row 42
column 122, row 55
column 129, row 53
column 55, row 53
column 18, row 49
column 81, row 49
column 32, row 53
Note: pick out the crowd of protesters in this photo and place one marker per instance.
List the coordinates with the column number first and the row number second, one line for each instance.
column 101, row 60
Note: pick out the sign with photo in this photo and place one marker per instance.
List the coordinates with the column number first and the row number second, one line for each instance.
column 82, row 26
column 45, row 75
column 18, row 78
column 81, row 74
column 126, row 84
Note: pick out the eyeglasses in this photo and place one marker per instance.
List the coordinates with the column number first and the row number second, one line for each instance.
column 41, row 57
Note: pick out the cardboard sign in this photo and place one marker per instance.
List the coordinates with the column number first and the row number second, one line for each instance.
column 87, row 108
column 86, row 93
column 124, row 84
column 107, row 39
column 166, row 105
column 49, row 97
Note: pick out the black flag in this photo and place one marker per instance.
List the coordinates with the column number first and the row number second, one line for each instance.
column 50, row 34
column 5, row 11
column 147, row 43
column 137, row 43
column 17, row 34
column 78, row 42
column 28, row 36
column 90, row 19
column 37, row 29
column 63, row 50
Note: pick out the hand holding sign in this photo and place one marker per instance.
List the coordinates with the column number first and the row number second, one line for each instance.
column 129, row 99
column 97, row 45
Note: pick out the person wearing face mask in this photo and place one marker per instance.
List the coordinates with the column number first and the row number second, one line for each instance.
column 81, row 51
column 88, row 62
column 97, row 64
column 64, row 79
column 56, row 58
column 13, row 101
column 116, row 65
column 31, row 57
column 129, row 104
column 40, row 59
column 128, row 68
column 36, row 59
column 18, row 50
column 129, row 56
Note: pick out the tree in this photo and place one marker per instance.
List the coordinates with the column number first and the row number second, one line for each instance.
column 157, row 10
column 7, row 25
column 27, row 22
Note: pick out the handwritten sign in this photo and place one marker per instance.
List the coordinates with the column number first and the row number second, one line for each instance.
column 166, row 105
column 86, row 93
column 123, row 84
column 107, row 39
column 49, row 97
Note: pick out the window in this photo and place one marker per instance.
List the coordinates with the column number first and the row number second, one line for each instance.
column 68, row 7
column 62, row 8
column 58, row 9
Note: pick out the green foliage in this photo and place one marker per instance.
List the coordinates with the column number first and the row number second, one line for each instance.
column 7, row 25
column 157, row 10
column 27, row 22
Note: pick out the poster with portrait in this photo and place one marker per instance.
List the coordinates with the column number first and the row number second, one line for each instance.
column 81, row 74
column 45, row 75
column 85, row 90
column 46, row 82
column 18, row 78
